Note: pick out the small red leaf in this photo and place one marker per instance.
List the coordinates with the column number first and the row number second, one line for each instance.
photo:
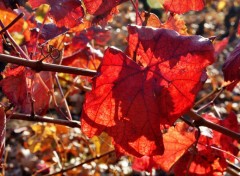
column 88, row 58
column 176, row 141
column 68, row 13
column 102, row 9
column 183, row 6
column 133, row 101
column 219, row 46
column 231, row 66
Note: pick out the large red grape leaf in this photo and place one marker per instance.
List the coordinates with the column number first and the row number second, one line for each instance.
column 183, row 6
column 16, row 87
column 232, row 65
column 132, row 101
column 121, row 104
column 68, row 13
column 173, row 60
column 2, row 131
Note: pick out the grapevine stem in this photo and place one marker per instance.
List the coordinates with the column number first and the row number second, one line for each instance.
column 199, row 121
column 37, row 118
column 41, row 66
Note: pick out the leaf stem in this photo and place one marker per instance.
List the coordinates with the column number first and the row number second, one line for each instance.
column 37, row 118
column 42, row 66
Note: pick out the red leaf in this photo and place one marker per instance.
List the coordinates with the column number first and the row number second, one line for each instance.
column 102, row 9
column 183, row 6
column 220, row 46
column 132, row 102
column 7, row 16
column 232, row 65
column 18, row 86
column 87, row 58
column 68, row 13
column 174, row 22
column 123, row 114
column 80, row 40
column 176, row 141
column 2, row 132
column 142, row 164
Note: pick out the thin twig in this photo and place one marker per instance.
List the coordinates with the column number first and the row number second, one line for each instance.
column 42, row 66
column 212, row 101
column 137, row 12
column 63, row 97
column 220, row 89
column 37, row 118
column 78, row 165
column 14, row 43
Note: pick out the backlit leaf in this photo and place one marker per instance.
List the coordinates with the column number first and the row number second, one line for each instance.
column 132, row 101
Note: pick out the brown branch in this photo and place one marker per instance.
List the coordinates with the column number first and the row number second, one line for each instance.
column 78, row 165
column 199, row 121
column 37, row 118
column 42, row 66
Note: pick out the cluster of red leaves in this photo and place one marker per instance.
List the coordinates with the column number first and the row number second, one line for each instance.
column 209, row 159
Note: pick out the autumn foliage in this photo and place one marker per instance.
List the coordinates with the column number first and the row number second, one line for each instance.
column 139, row 97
